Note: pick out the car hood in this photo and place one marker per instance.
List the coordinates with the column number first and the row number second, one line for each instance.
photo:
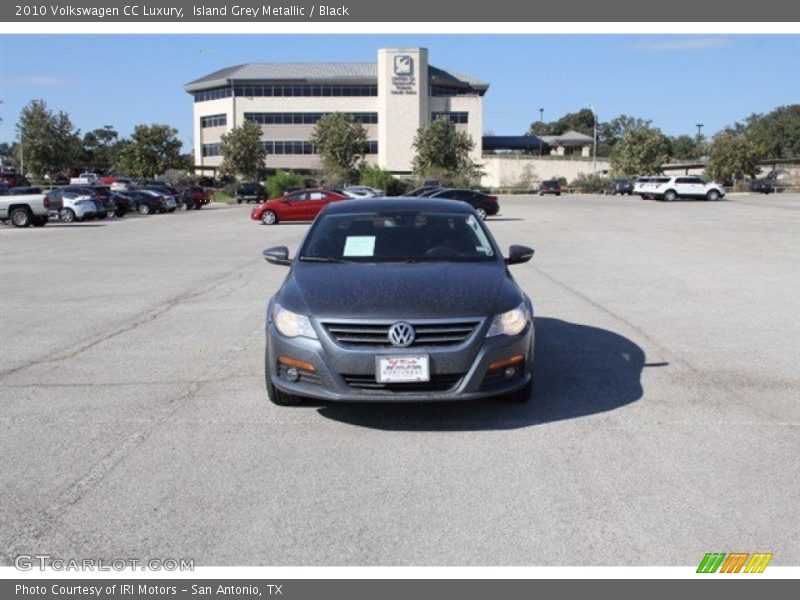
column 399, row 291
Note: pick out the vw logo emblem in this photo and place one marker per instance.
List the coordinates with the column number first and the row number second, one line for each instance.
column 401, row 334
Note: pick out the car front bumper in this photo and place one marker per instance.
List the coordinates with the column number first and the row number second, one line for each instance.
column 467, row 364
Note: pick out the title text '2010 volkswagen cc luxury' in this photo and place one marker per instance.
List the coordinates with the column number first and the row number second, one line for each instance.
column 402, row 299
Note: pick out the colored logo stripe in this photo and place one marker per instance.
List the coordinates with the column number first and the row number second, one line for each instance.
column 758, row 562
column 734, row 562
column 711, row 562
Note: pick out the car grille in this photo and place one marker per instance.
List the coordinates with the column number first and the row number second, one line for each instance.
column 438, row 383
column 443, row 333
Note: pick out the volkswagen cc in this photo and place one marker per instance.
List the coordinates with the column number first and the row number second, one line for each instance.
column 398, row 300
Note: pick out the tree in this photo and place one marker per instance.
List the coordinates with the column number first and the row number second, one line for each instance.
column 686, row 147
column 732, row 156
column 99, row 148
column 611, row 132
column 581, row 121
column 342, row 143
column 382, row 179
column 282, row 180
column 49, row 144
column 242, row 152
column 639, row 152
column 151, row 150
column 443, row 153
column 776, row 134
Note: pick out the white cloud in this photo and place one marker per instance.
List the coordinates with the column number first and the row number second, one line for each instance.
column 672, row 44
column 39, row 81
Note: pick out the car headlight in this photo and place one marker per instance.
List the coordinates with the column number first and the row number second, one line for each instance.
column 511, row 322
column 291, row 324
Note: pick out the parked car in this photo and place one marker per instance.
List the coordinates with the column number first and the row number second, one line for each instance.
column 102, row 196
column 639, row 185
column 484, row 204
column 775, row 181
column 363, row 191
column 619, row 186
column 79, row 207
column 84, row 179
column 421, row 191
column 550, row 186
column 249, row 192
column 367, row 311
column 173, row 200
column 193, row 196
column 28, row 209
column 167, row 201
column 297, row 206
column 670, row 189
column 145, row 202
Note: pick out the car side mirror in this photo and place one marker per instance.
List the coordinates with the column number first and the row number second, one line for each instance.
column 277, row 255
column 519, row 254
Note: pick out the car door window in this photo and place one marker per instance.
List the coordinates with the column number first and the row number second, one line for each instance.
column 316, row 196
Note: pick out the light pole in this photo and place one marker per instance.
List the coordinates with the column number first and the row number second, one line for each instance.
column 594, row 138
column 699, row 130
column 541, row 120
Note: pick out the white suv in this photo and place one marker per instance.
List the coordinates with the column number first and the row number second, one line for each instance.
column 686, row 186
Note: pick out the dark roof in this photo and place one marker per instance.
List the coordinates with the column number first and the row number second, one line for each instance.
column 513, row 142
column 319, row 72
column 400, row 203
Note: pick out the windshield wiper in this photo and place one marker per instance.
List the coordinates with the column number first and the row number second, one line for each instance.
column 326, row 259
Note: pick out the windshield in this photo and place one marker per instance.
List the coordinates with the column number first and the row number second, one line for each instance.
column 398, row 236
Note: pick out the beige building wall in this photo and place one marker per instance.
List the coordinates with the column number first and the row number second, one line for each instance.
column 518, row 171
column 403, row 105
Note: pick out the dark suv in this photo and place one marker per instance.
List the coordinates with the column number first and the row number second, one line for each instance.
column 551, row 186
column 249, row 192
column 619, row 186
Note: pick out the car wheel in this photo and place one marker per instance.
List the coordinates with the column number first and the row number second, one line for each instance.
column 558, row 193
column 20, row 217
column 110, row 214
column 183, row 206
column 520, row 396
column 40, row 221
column 238, row 201
column 121, row 212
column 269, row 218
column 670, row 196
column 198, row 206
column 481, row 213
column 67, row 215
column 172, row 210
column 144, row 209
column 712, row 196
column 100, row 215
column 278, row 397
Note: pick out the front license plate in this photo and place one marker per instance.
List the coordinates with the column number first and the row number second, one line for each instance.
column 393, row 369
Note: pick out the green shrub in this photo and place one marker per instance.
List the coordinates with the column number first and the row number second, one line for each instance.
column 380, row 178
column 278, row 183
column 589, row 184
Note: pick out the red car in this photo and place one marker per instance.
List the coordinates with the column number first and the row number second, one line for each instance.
column 303, row 205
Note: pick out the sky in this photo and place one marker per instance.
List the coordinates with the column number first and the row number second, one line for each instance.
column 676, row 81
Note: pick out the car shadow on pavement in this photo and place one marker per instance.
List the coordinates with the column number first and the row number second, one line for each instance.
column 579, row 370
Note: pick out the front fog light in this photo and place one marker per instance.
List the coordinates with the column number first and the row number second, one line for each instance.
column 511, row 322
column 291, row 324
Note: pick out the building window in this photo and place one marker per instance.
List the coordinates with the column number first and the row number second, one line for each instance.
column 438, row 90
column 307, row 118
column 459, row 118
column 213, row 121
column 293, row 147
column 211, row 150
column 212, row 94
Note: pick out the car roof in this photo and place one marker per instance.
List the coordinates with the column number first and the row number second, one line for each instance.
column 400, row 203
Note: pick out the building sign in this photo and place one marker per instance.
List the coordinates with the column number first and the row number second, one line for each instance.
column 403, row 80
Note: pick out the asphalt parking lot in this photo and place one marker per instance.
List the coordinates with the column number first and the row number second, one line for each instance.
column 664, row 423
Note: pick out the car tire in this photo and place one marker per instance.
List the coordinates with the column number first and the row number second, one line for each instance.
column 278, row 397
column 100, row 215
column 712, row 196
column 198, row 206
column 20, row 217
column 481, row 213
column 238, row 201
column 670, row 196
column 558, row 193
column 67, row 215
column 144, row 209
column 110, row 214
column 268, row 217
column 121, row 212
column 40, row 221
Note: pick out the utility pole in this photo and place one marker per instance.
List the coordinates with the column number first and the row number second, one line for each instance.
column 699, row 130
column 594, row 146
